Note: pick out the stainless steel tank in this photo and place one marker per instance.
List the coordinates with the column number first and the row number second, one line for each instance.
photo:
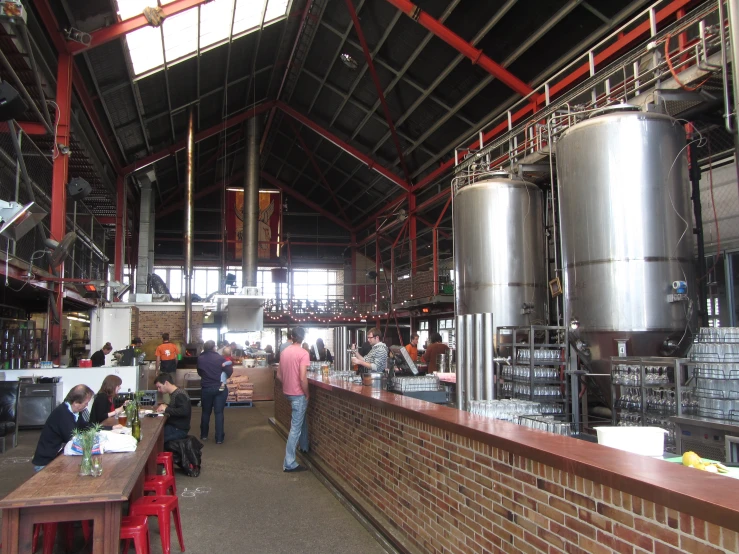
column 499, row 259
column 626, row 230
column 499, row 250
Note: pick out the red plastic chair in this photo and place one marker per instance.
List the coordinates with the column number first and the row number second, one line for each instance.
column 160, row 507
column 166, row 459
column 136, row 529
column 160, row 485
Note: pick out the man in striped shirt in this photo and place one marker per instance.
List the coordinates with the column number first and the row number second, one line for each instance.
column 376, row 360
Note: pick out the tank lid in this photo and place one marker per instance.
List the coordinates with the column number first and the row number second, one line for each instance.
column 613, row 109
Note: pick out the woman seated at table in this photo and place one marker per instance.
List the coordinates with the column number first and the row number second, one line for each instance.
column 103, row 406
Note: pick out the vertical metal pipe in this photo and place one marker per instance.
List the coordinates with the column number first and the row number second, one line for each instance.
column 489, row 365
column 461, row 361
column 479, row 370
column 729, row 276
column 695, row 182
column 249, row 245
column 188, row 230
column 469, row 323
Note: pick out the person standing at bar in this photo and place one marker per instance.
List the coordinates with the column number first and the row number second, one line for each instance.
column 293, row 373
column 412, row 348
column 376, row 359
column 98, row 358
column 210, row 366
column 435, row 348
column 166, row 354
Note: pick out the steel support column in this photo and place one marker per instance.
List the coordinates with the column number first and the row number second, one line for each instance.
column 189, row 228
column 60, row 173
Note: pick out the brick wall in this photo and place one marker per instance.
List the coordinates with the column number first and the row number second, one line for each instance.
column 151, row 325
column 447, row 493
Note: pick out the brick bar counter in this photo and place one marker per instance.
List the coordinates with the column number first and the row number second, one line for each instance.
column 437, row 479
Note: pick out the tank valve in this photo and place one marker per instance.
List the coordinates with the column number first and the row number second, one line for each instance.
column 527, row 309
column 679, row 292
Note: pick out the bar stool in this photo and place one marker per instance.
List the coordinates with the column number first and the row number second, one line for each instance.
column 136, row 529
column 167, row 460
column 159, row 485
column 50, row 530
column 160, row 507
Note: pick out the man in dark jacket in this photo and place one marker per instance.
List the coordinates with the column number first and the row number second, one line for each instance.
column 60, row 424
column 210, row 366
column 178, row 411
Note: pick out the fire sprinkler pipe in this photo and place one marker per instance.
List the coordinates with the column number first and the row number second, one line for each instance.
column 188, row 229
column 458, row 43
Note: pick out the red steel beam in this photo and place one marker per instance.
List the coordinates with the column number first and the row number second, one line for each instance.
column 412, row 230
column 300, row 198
column 321, row 176
column 378, row 86
column 443, row 211
column 28, row 127
column 458, row 43
column 346, row 147
column 121, row 28
column 60, row 172
column 202, row 135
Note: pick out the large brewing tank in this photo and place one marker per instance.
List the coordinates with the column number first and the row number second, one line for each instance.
column 499, row 253
column 626, row 231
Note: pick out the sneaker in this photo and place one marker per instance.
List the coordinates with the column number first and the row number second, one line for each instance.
column 203, row 439
column 296, row 469
column 222, row 388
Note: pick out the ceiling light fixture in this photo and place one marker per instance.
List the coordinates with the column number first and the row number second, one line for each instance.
column 348, row 61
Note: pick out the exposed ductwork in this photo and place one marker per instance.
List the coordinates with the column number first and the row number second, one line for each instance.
column 145, row 263
column 188, row 230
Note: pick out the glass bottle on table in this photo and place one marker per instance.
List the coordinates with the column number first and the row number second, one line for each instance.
column 136, row 425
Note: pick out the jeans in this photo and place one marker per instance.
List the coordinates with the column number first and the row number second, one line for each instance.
column 213, row 399
column 171, row 433
column 298, row 430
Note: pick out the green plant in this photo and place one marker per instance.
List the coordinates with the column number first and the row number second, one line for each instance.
column 87, row 437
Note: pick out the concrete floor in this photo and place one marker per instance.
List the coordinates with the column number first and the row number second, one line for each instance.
column 242, row 501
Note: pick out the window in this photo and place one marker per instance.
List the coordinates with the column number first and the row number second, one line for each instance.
column 201, row 27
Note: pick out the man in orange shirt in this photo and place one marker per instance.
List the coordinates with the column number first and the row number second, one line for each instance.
column 412, row 348
column 167, row 355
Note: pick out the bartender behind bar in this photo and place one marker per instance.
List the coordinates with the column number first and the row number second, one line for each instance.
column 376, row 359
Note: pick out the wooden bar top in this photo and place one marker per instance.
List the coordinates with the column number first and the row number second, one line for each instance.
column 59, row 482
column 710, row 497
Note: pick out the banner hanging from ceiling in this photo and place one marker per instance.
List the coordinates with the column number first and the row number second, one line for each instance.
column 270, row 215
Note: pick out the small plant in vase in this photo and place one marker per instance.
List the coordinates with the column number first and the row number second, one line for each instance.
column 87, row 440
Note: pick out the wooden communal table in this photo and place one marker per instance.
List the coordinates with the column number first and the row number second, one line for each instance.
column 57, row 493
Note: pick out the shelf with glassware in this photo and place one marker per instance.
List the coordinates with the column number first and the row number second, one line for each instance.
column 643, row 393
column 709, row 376
column 536, row 371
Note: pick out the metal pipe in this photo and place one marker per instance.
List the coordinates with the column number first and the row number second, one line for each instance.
column 23, row 92
column 729, row 275
column 479, row 357
column 489, row 356
column 469, row 322
column 695, row 182
column 188, row 228
column 461, row 362
column 249, row 244
column 732, row 8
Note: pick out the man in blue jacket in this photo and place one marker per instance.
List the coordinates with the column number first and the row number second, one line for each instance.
column 210, row 366
column 58, row 428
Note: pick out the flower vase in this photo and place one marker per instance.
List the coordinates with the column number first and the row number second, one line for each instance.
column 86, row 464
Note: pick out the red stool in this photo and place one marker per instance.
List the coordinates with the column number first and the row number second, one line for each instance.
column 166, row 459
column 50, row 530
column 160, row 507
column 135, row 528
column 159, row 484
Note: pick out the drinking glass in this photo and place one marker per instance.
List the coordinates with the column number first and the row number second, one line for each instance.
column 122, row 418
column 97, row 466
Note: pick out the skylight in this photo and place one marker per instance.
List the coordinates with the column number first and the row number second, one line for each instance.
column 178, row 36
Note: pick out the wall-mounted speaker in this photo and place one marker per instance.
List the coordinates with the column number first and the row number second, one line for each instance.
column 78, row 188
column 12, row 105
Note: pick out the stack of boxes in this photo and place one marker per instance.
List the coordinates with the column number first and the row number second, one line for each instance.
column 240, row 389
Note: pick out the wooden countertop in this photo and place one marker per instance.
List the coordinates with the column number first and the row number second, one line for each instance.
column 59, row 482
column 707, row 496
